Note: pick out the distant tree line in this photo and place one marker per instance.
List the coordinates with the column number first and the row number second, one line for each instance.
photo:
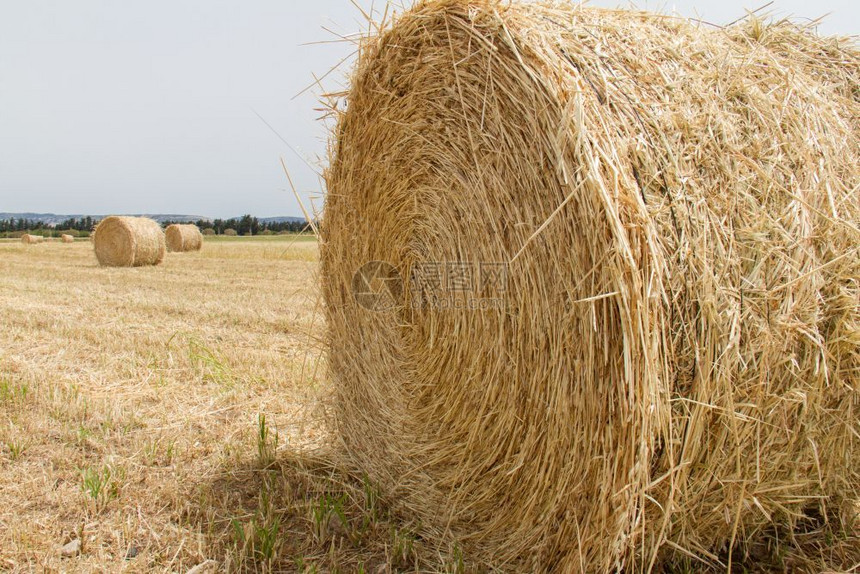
column 249, row 225
column 13, row 227
column 245, row 225
column 85, row 224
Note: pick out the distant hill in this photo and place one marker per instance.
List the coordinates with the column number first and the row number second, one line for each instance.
column 51, row 219
column 282, row 219
column 46, row 218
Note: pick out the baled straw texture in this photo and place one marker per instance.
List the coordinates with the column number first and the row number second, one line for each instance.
column 182, row 238
column 678, row 362
column 67, row 238
column 32, row 239
column 129, row 242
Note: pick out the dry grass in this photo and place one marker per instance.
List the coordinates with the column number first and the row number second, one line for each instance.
column 177, row 412
column 676, row 368
column 131, row 403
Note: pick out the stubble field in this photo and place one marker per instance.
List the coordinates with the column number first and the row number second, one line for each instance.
column 173, row 417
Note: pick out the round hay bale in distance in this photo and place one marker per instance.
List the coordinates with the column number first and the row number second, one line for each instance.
column 672, row 359
column 129, row 242
column 29, row 239
column 230, row 232
column 66, row 238
column 183, row 238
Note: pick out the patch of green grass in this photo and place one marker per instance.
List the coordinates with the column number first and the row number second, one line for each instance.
column 157, row 454
column 371, row 508
column 259, row 540
column 212, row 368
column 328, row 513
column 101, row 485
column 403, row 548
column 267, row 442
column 16, row 449
column 83, row 434
column 372, row 495
column 266, row 533
column 13, row 393
column 458, row 565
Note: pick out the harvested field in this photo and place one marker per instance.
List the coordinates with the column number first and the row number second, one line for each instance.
column 130, row 403
column 586, row 299
column 130, row 411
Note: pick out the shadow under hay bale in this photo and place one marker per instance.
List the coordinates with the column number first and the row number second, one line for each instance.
column 676, row 365
column 183, row 238
column 129, row 242
column 336, row 522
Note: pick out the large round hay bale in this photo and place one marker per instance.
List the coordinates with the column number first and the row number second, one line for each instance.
column 29, row 239
column 66, row 238
column 618, row 309
column 183, row 238
column 129, row 242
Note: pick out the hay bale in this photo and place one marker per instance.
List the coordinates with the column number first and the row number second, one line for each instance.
column 676, row 363
column 66, row 238
column 183, row 238
column 208, row 232
column 29, row 239
column 230, row 232
column 129, row 242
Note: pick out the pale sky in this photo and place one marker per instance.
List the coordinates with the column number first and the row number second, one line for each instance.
column 149, row 107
